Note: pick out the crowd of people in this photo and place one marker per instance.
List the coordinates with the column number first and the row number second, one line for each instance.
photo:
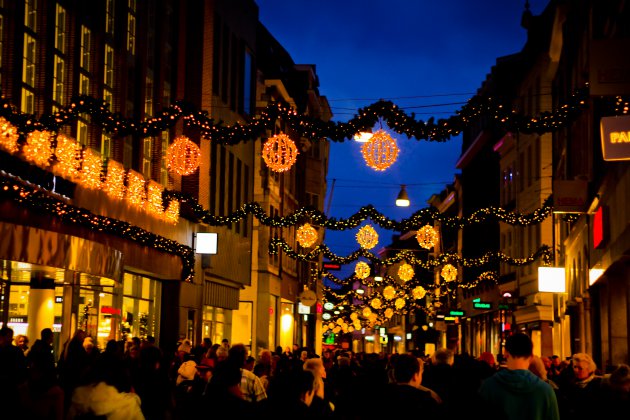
column 136, row 379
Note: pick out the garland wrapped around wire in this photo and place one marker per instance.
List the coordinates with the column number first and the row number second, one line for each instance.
column 544, row 253
column 42, row 201
column 317, row 217
column 305, row 126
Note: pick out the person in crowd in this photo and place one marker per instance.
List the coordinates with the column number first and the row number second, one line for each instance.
column 263, row 367
column 582, row 393
column 404, row 396
column 537, row 367
column 252, row 389
column 617, row 393
column 225, row 343
column 249, row 363
column 42, row 353
column 515, row 393
column 99, row 399
column 21, row 342
column 292, row 396
column 72, row 365
column 321, row 404
column 488, row 365
column 13, row 369
column 556, row 368
column 224, row 396
column 152, row 384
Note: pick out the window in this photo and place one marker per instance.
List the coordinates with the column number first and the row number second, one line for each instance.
column 140, row 314
column 131, row 27
column 147, row 147
column 109, row 17
column 163, row 169
column 58, row 77
column 28, row 101
column 106, row 146
column 109, row 66
column 247, row 84
column 60, row 29
column 148, row 94
column 85, row 48
column 82, row 132
column 84, row 85
column 28, row 68
column 30, row 14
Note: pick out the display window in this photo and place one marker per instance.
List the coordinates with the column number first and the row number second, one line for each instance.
column 140, row 307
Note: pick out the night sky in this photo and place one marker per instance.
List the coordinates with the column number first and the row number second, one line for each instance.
column 428, row 57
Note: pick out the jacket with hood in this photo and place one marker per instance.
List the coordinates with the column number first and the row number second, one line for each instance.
column 518, row 394
column 104, row 400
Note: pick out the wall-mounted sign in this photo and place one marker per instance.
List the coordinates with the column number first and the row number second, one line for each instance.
column 331, row 266
column 570, row 196
column 482, row 305
column 600, row 227
column 615, row 132
column 457, row 313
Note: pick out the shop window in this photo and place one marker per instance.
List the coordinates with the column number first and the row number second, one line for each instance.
column 140, row 308
column 214, row 323
column 242, row 323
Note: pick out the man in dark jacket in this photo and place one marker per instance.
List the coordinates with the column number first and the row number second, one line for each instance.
column 516, row 393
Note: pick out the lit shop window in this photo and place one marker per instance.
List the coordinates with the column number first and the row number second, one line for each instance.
column 140, row 309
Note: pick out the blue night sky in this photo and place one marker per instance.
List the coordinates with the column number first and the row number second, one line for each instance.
column 428, row 57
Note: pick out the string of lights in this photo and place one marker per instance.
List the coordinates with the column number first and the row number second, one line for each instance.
column 255, row 127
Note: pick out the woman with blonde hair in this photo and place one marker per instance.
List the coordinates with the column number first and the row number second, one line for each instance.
column 321, row 403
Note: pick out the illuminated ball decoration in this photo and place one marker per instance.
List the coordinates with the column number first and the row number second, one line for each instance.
column 381, row 151
column 427, row 237
column 389, row 292
column 357, row 324
column 331, row 325
column 38, row 149
column 405, row 272
column 306, row 235
column 362, row 270
column 366, row 312
column 400, row 303
column 449, row 272
column 8, row 136
column 373, row 318
column 389, row 312
column 418, row 292
column 337, row 329
column 339, row 321
column 367, row 237
column 376, row 303
column 354, row 316
column 350, row 328
column 183, row 156
column 279, row 153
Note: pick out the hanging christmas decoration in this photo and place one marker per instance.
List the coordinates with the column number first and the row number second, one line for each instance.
column 418, row 292
column 389, row 292
column 405, row 272
column 367, row 237
column 362, row 270
column 279, row 153
column 373, row 318
column 389, row 312
column 427, row 237
column 449, row 272
column 354, row 316
column 183, row 156
column 381, row 151
column 331, row 325
column 400, row 303
column 8, row 136
column 38, row 148
column 339, row 321
column 306, row 235
column 68, row 153
column 376, row 303
column 366, row 312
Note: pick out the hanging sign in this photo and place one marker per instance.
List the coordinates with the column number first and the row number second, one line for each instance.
column 615, row 133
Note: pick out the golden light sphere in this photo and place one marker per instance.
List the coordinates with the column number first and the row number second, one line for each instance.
column 381, row 151
column 367, row 312
column 427, row 237
column 373, row 318
column 354, row 316
column 405, row 272
column 389, row 292
column 357, row 324
column 337, row 329
column 400, row 303
column 279, row 153
column 331, row 325
column 376, row 303
column 183, row 156
column 8, row 136
column 389, row 312
column 449, row 272
column 306, row 235
column 362, row 270
column 367, row 237
column 339, row 321
column 418, row 292
column 350, row 328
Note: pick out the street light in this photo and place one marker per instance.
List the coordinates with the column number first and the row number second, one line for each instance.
column 403, row 199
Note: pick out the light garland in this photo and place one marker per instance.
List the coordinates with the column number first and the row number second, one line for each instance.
column 381, row 151
column 37, row 149
column 9, row 136
column 183, row 156
column 68, row 153
column 136, row 193
column 114, row 185
column 91, row 169
column 279, row 153
column 306, row 235
column 367, row 237
column 154, row 198
column 362, row 270
column 405, row 272
column 427, row 237
column 449, row 272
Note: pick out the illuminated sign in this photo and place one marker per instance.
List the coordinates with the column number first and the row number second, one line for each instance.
column 110, row 310
column 600, row 219
column 456, row 313
column 482, row 305
column 326, row 316
column 331, row 266
column 570, row 196
column 476, row 300
column 58, row 299
column 615, row 133
column 329, row 306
